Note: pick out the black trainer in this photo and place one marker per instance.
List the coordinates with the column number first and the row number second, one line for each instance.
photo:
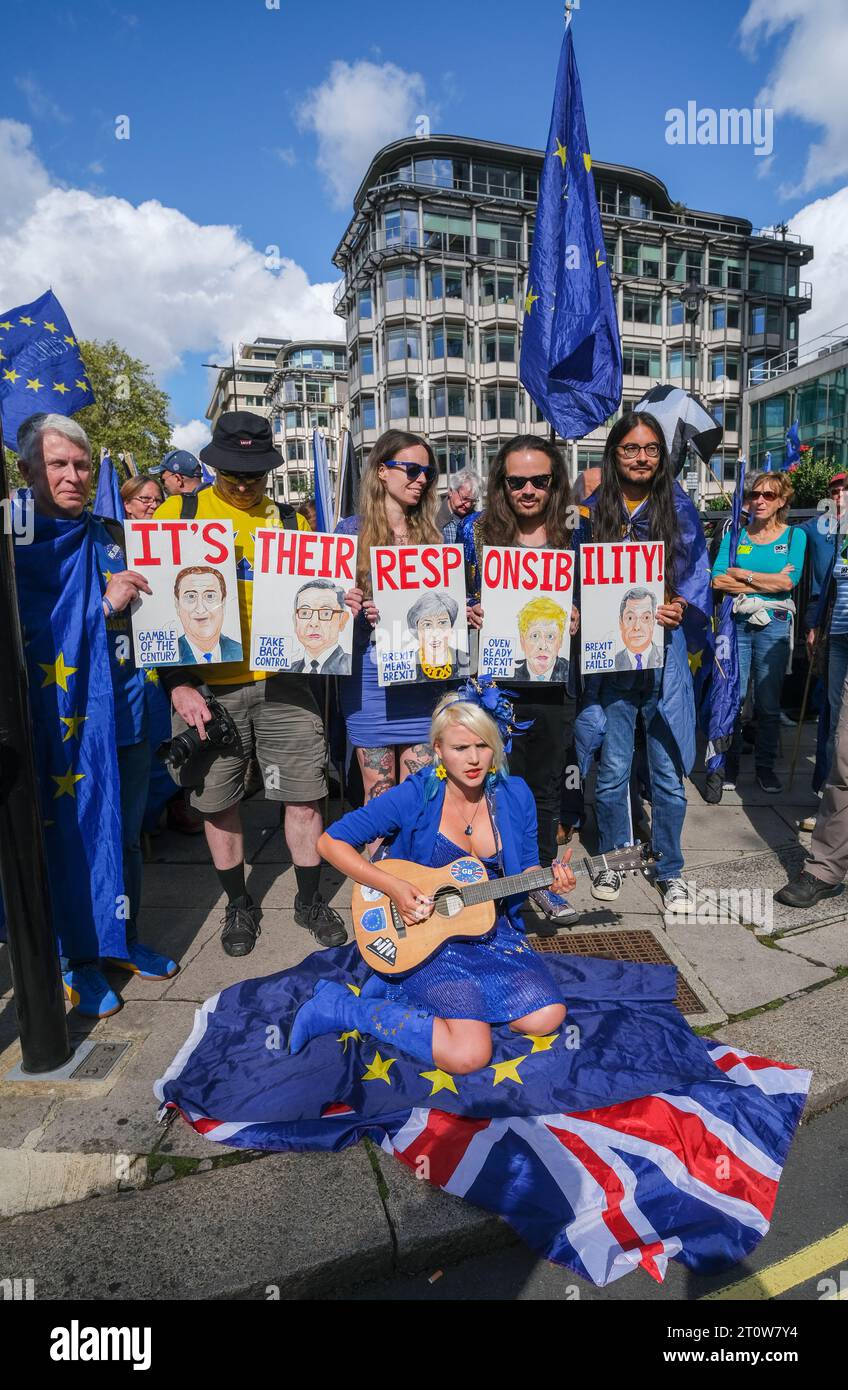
column 714, row 788
column 806, row 891
column 322, row 920
column 769, row 781
column 241, row 927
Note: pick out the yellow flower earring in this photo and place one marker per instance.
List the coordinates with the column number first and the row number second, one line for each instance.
column 441, row 772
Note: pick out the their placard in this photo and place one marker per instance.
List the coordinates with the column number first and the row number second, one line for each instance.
column 622, row 585
column 192, row 616
column 526, row 596
column 419, row 592
column 301, row 623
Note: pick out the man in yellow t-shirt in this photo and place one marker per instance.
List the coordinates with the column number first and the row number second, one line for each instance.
column 275, row 715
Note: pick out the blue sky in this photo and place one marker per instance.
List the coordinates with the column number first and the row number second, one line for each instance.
column 219, row 96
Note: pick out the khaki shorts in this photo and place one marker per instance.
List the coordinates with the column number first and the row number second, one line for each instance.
column 278, row 723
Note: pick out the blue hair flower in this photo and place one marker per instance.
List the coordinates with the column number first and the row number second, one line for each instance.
column 482, row 691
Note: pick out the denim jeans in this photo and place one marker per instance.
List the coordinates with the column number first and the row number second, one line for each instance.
column 763, row 652
column 837, row 670
column 622, row 697
column 134, row 774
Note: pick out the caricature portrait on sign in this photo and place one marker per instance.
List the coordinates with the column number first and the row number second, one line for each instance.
column 200, row 596
column 191, row 617
column 526, row 599
column 422, row 634
column 622, row 586
column 301, row 622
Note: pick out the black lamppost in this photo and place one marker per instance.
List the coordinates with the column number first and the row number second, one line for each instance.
column 693, row 297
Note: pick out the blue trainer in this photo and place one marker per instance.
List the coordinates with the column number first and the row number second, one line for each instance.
column 554, row 905
column 89, row 992
column 146, row 964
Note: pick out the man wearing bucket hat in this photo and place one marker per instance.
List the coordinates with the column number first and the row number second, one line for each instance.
column 275, row 715
column 180, row 472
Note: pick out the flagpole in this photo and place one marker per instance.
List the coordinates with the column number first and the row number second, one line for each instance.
column 36, row 977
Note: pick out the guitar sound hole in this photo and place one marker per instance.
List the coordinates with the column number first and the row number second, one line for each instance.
column 449, row 902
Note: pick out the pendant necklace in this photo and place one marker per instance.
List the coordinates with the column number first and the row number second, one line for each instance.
column 470, row 826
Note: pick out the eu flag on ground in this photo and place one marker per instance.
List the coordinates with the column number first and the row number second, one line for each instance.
column 323, row 491
column 108, row 501
column 571, row 350
column 40, row 365
column 793, row 445
column 724, row 688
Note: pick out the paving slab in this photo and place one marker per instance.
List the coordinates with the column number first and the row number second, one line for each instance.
column 301, row 1224
column 738, row 969
column 281, row 945
column 826, row 945
column 809, row 1032
column 428, row 1223
column 755, row 880
column 32, row 1181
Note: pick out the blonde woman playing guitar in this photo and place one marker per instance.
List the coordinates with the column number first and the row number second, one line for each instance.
column 441, row 1012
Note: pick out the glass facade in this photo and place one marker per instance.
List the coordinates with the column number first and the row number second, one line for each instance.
column 820, row 406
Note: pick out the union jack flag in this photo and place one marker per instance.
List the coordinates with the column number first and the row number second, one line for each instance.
column 688, row 1171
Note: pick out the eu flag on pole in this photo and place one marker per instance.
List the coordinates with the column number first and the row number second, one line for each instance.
column 108, row 501
column 40, row 365
column 767, row 463
column 724, row 689
column 323, row 491
column 571, row 351
column 793, row 445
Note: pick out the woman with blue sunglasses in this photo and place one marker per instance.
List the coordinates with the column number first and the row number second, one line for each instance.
column 389, row 728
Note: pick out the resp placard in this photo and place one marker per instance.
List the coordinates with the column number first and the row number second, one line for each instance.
column 191, row 618
column 526, row 596
column 622, row 584
column 301, row 623
column 419, row 591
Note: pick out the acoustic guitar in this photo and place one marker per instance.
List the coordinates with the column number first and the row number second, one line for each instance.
column 464, row 899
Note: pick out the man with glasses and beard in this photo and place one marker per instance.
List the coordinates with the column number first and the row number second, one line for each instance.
column 276, row 715
column 528, row 502
column 639, row 500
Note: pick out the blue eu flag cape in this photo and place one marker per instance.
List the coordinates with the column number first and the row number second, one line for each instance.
column 72, row 708
column 571, row 348
column 724, row 687
column 622, row 1140
column 40, row 365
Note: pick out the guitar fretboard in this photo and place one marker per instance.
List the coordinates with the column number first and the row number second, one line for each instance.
column 532, row 879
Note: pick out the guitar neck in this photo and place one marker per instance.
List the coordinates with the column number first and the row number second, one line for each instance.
column 528, row 882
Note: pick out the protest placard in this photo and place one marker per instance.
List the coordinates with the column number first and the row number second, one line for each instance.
column 526, row 596
column 192, row 616
column 621, row 586
column 419, row 592
column 300, row 620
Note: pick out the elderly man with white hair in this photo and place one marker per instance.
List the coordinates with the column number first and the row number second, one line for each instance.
column 88, row 712
column 461, row 501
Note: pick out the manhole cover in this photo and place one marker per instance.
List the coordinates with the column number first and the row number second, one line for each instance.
column 639, row 946
column 99, row 1061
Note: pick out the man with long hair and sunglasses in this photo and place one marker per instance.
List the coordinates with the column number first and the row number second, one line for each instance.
column 639, row 499
column 528, row 502
column 276, row 715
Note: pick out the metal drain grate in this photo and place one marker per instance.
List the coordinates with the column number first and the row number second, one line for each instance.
column 98, row 1063
column 639, row 946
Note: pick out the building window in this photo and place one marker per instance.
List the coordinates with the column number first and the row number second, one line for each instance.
column 775, row 414
column 369, row 413
column 401, row 283
column 676, row 313
column 756, row 367
column 641, row 361
column 766, row 276
column 641, row 258
column 501, row 239
column 448, row 400
column 726, row 272
column 763, row 319
column 727, row 414
column 319, row 419
column 642, row 308
column 792, row 327
column 401, row 227
column 497, row 289
column 366, row 307
column 723, row 315
column 366, row 349
column 403, row 345
column 296, row 450
column 498, row 346
column 680, row 365
column 403, row 401
column 294, row 419
column 447, row 340
column 500, row 403
column 443, row 233
column 724, row 364
column 445, row 284
column 497, row 181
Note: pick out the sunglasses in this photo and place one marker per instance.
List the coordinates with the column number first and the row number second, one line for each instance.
column 767, row 496
column 540, row 481
column 242, row 477
column 414, row 471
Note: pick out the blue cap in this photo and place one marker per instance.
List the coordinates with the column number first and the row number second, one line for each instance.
column 180, row 461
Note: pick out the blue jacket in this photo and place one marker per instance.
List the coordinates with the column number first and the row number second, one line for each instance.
column 410, row 822
column 821, row 548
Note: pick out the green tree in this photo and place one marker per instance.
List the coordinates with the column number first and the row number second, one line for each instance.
column 130, row 413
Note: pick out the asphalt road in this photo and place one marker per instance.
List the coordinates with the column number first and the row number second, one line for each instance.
column 809, row 1228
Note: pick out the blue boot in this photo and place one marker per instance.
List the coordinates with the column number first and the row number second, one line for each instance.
column 89, row 991
column 334, row 1008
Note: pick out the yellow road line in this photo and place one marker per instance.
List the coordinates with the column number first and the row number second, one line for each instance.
column 787, row 1274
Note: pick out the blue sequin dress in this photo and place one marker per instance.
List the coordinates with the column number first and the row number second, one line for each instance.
column 493, row 979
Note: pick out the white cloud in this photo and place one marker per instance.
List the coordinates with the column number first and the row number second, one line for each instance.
column 191, row 436
column 148, row 276
column 40, row 103
column 358, row 109
column 824, row 224
column 807, row 79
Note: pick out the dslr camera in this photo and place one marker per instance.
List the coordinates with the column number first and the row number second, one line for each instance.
column 187, row 754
